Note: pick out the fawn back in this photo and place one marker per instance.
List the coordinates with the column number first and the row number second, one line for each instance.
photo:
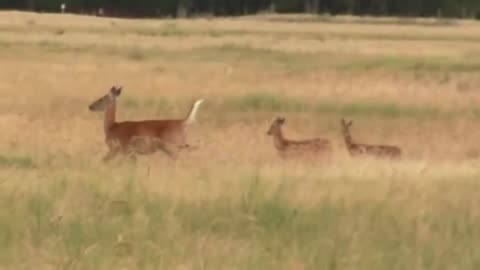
column 290, row 148
column 358, row 149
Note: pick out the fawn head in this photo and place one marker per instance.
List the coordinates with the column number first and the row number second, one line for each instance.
column 276, row 126
column 346, row 126
column 103, row 102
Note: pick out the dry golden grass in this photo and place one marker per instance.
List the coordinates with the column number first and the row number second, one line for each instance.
column 233, row 204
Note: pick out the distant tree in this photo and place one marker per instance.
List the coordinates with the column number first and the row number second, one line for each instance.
column 152, row 8
column 31, row 4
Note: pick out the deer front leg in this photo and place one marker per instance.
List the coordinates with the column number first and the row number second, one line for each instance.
column 112, row 153
column 114, row 149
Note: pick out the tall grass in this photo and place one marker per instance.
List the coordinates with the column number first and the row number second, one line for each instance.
column 257, row 226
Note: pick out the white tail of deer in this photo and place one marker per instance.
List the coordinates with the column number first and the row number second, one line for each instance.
column 192, row 115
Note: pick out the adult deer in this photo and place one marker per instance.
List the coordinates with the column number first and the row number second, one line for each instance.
column 141, row 137
column 315, row 147
column 357, row 149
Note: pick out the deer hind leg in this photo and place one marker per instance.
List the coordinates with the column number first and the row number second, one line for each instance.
column 132, row 157
column 187, row 147
column 130, row 153
column 182, row 143
column 395, row 155
column 169, row 150
column 148, row 145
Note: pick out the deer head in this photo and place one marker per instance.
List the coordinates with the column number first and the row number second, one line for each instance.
column 276, row 126
column 102, row 103
column 346, row 126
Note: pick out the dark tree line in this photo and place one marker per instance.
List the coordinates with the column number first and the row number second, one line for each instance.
column 155, row 8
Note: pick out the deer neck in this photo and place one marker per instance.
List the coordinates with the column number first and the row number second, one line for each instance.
column 109, row 119
column 348, row 140
column 278, row 140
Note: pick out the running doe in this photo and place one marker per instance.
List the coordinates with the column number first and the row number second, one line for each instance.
column 141, row 137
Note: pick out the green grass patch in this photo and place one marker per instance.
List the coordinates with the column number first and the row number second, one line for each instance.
column 389, row 110
column 167, row 30
column 296, row 61
column 265, row 102
column 159, row 105
column 472, row 111
column 272, row 59
column 174, row 30
column 136, row 54
column 21, row 162
column 396, row 63
column 273, row 103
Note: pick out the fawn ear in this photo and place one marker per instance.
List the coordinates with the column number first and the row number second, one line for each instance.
column 119, row 91
column 281, row 120
column 115, row 91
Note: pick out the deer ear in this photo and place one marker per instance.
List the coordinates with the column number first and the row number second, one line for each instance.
column 281, row 120
column 119, row 91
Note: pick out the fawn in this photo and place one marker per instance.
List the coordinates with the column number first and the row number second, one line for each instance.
column 289, row 148
column 141, row 137
column 356, row 149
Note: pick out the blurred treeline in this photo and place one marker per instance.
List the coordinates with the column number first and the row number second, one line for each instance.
column 174, row 8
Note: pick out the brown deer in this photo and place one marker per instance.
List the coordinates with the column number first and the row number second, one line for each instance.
column 357, row 149
column 289, row 148
column 141, row 137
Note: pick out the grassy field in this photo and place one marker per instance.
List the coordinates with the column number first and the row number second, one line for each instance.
column 232, row 203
